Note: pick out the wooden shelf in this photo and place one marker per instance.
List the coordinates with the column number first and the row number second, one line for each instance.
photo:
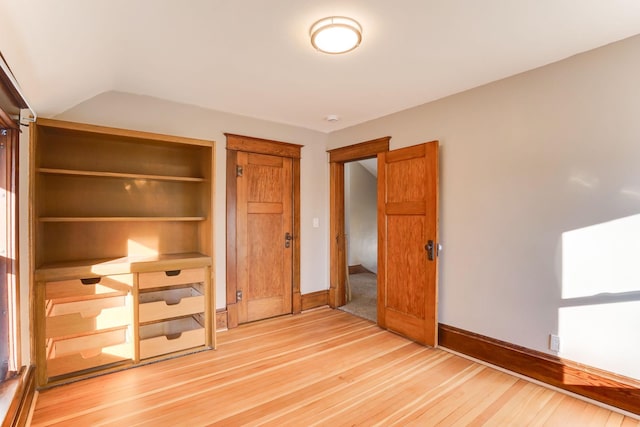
column 116, row 133
column 123, row 265
column 115, row 204
column 123, row 219
column 120, row 175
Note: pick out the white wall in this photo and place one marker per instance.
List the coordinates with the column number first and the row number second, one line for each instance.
column 361, row 211
column 155, row 115
column 524, row 161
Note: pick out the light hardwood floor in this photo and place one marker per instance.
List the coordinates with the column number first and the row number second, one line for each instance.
column 323, row 367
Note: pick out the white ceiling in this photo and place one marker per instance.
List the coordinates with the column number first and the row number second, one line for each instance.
column 253, row 57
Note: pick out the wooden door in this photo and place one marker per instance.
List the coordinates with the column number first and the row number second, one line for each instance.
column 407, row 242
column 264, row 235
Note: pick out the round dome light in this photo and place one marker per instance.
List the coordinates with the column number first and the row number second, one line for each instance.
column 336, row 34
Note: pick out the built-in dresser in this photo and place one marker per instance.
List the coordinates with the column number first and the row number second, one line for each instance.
column 121, row 243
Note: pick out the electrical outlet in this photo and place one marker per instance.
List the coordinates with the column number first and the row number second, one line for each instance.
column 554, row 342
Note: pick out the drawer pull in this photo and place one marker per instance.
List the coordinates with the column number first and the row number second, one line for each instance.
column 173, row 336
column 91, row 280
column 172, row 273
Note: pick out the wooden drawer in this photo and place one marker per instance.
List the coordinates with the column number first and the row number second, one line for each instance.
column 170, row 278
column 86, row 308
column 170, row 336
column 81, row 317
column 87, row 345
column 169, row 303
column 89, row 288
column 86, row 359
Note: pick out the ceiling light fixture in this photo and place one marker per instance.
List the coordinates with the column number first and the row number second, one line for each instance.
column 336, row 34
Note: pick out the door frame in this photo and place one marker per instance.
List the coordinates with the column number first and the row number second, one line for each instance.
column 250, row 144
column 337, row 242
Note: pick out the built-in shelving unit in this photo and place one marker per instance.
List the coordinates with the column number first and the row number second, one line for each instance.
column 111, row 208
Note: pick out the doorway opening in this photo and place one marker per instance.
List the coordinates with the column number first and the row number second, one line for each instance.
column 361, row 231
column 358, row 234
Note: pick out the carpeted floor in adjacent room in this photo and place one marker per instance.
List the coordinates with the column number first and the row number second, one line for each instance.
column 364, row 292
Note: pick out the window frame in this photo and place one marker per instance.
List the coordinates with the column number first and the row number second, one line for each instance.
column 9, row 250
column 12, row 105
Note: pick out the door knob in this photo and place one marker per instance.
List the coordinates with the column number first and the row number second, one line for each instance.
column 287, row 239
column 429, row 248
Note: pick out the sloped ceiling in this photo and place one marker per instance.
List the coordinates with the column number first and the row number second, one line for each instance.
column 370, row 165
column 253, row 57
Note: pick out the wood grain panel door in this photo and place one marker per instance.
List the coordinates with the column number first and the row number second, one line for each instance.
column 408, row 236
column 264, row 226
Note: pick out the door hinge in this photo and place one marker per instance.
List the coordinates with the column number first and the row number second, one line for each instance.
column 239, row 295
column 239, row 170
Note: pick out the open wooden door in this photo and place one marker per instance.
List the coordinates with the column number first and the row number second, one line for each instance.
column 408, row 242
